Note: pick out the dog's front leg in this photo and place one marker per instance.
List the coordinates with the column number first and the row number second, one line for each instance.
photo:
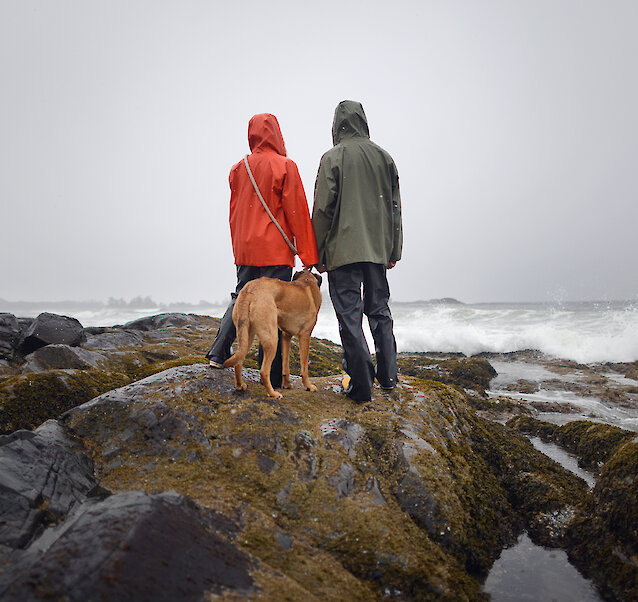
column 285, row 360
column 304, row 348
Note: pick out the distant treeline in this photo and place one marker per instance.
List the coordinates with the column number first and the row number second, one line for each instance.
column 138, row 302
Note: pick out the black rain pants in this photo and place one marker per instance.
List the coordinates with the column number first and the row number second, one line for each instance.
column 345, row 291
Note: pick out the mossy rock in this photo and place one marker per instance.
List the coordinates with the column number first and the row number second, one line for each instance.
column 160, row 366
column 26, row 401
column 592, row 442
column 468, row 373
column 603, row 539
column 322, row 475
column 497, row 407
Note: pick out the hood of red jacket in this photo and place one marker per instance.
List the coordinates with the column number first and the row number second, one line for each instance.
column 264, row 134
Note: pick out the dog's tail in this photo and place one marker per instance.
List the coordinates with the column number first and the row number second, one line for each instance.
column 243, row 342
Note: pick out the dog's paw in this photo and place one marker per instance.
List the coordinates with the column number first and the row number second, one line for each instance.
column 276, row 395
column 241, row 387
column 311, row 388
column 286, row 386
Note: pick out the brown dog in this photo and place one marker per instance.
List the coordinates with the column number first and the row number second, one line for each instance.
column 264, row 305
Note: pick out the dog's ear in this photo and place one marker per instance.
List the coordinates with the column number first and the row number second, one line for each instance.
column 297, row 274
column 319, row 279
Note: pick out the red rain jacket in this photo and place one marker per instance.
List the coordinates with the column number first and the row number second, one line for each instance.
column 256, row 240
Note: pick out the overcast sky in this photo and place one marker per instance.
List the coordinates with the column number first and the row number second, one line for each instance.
column 513, row 125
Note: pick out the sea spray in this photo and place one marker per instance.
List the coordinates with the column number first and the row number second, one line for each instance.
column 582, row 332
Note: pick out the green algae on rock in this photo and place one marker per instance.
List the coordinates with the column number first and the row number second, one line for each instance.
column 603, row 538
column 27, row 400
column 468, row 373
column 410, row 496
column 592, row 442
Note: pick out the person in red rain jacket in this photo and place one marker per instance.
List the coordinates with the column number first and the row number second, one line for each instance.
column 258, row 246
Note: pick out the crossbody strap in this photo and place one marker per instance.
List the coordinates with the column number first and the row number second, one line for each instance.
column 272, row 217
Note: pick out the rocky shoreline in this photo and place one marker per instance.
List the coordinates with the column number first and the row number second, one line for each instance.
column 130, row 469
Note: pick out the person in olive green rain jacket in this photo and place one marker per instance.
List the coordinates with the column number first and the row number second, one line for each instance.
column 357, row 222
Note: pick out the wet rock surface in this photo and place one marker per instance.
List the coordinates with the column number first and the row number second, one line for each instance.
column 48, row 329
column 132, row 546
column 217, row 493
column 58, row 356
column 43, row 474
column 558, row 391
column 10, row 335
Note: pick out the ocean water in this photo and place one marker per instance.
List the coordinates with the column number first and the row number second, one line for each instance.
column 582, row 332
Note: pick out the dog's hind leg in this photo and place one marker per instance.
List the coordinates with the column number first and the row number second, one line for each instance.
column 304, row 348
column 285, row 360
column 246, row 334
column 267, row 333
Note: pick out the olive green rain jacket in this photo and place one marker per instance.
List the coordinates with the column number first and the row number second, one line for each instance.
column 357, row 207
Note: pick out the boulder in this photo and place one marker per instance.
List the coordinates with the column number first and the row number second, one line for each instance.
column 48, row 329
column 10, row 335
column 43, row 474
column 147, row 414
column 54, row 357
column 161, row 321
column 114, row 339
column 27, row 400
column 133, row 546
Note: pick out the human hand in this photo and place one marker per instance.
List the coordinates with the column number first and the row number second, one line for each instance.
column 321, row 268
column 391, row 264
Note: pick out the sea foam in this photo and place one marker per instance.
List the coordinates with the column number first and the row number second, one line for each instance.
column 584, row 332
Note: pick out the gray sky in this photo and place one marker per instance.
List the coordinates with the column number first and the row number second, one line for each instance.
column 513, row 125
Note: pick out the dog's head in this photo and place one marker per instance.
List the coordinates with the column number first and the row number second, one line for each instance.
column 305, row 274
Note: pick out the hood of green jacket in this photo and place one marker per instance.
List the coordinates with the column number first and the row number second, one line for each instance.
column 350, row 121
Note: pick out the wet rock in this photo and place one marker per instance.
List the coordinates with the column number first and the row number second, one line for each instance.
column 304, row 456
column 345, row 434
column 412, row 494
column 284, row 540
column 594, row 443
column 161, row 321
column 523, row 386
column 48, row 329
column 43, row 474
column 57, row 356
column 415, row 498
column 30, row 399
column 602, row 540
column 114, row 339
column 144, row 413
column 132, row 546
column 374, row 489
column 344, row 480
column 473, row 373
column 10, row 336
